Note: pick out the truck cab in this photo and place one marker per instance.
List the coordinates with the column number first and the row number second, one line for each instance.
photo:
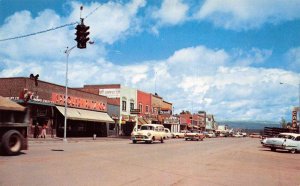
column 14, row 120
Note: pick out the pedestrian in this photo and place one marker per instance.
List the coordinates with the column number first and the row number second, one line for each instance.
column 43, row 134
column 36, row 131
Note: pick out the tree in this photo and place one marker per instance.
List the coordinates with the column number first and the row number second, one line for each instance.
column 283, row 123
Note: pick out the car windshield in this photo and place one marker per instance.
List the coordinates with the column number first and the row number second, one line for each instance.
column 147, row 128
column 285, row 136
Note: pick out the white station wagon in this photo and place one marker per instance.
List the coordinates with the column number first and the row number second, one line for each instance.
column 285, row 141
column 149, row 133
column 292, row 144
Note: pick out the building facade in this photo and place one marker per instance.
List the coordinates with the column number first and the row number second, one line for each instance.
column 86, row 112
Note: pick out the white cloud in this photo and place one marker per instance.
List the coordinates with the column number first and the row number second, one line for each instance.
column 111, row 21
column 251, row 57
column 171, row 12
column 293, row 59
column 248, row 14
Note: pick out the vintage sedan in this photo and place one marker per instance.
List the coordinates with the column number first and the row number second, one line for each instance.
column 149, row 133
column 168, row 133
column 211, row 134
column 194, row 135
column 292, row 144
column 278, row 141
column 179, row 134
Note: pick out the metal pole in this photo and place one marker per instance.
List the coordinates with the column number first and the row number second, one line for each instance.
column 298, row 110
column 66, row 95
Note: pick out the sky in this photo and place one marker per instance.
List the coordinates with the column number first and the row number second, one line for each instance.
column 227, row 57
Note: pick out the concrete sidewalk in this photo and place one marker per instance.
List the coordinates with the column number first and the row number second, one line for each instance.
column 77, row 139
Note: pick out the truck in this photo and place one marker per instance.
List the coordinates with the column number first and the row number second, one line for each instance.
column 14, row 120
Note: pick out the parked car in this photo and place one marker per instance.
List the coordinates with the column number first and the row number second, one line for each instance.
column 238, row 135
column 255, row 135
column 149, row 133
column 194, row 135
column 292, row 144
column 211, row 134
column 179, row 134
column 277, row 142
column 168, row 133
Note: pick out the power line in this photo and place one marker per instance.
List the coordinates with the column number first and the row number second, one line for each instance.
column 48, row 30
column 27, row 35
column 92, row 12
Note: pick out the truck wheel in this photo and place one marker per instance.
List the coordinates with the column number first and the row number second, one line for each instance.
column 12, row 142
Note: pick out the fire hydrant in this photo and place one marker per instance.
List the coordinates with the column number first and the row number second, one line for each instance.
column 94, row 137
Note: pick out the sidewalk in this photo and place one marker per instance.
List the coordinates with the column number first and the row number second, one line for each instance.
column 77, row 139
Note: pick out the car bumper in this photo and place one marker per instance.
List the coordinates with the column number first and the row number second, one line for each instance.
column 273, row 146
column 140, row 138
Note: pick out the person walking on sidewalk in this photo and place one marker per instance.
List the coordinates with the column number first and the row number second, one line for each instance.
column 43, row 134
column 36, row 131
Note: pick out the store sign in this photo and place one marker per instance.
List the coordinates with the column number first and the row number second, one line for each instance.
column 135, row 111
column 171, row 120
column 110, row 93
column 294, row 119
column 165, row 112
column 59, row 99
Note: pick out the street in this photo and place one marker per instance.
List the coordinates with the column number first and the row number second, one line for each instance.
column 113, row 161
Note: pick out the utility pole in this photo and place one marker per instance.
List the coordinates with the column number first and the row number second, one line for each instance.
column 67, row 52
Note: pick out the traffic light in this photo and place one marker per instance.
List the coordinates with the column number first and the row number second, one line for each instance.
column 82, row 35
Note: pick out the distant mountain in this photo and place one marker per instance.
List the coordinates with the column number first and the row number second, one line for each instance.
column 258, row 125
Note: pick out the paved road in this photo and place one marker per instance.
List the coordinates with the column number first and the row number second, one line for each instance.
column 219, row 161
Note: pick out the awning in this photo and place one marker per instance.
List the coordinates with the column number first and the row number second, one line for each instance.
column 85, row 115
column 141, row 121
column 7, row 104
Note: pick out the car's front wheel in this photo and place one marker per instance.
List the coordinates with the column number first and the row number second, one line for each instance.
column 293, row 151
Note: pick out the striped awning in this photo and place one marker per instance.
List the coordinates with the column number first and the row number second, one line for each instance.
column 85, row 115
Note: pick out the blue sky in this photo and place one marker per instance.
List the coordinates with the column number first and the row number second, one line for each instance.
column 226, row 57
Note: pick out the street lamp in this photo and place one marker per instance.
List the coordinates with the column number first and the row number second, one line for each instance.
column 67, row 52
column 298, row 110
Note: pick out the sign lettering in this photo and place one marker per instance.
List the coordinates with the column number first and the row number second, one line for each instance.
column 59, row 99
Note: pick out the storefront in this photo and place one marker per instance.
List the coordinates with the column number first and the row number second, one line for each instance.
column 87, row 113
column 172, row 123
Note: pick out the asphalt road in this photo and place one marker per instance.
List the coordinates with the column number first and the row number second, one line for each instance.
column 218, row 161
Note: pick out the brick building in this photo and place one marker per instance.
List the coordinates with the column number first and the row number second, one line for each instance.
column 152, row 108
column 87, row 113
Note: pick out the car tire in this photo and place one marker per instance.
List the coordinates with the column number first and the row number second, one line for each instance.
column 273, row 149
column 12, row 142
column 162, row 140
column 293, row 151
column 133, row 141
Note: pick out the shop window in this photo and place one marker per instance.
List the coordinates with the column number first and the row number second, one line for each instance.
column 141, row 107
column 147, row 108
column 131, row 106
column 123, row 105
